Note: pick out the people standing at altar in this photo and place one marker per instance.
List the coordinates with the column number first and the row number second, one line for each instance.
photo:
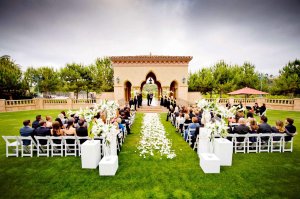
column 131, row 102
column 150, row 98
column 140, row 99
column 165, row 101
column 135, row 102
column 161, row 101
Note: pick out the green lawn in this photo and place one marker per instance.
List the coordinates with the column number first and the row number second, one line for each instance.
column 264, row 175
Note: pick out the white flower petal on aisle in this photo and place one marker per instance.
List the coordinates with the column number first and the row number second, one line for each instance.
column 153, row 139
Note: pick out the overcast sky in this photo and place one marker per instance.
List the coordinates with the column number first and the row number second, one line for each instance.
column 56, row 32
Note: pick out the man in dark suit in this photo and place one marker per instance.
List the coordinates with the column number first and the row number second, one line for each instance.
column 241, row 129
column 36, row 123
column 131, row 102
column 81, row 131
column 140, row 100
column 148, row 99
column 135, row 102
column 43, row 131
column 264, row 127
column 26, row 131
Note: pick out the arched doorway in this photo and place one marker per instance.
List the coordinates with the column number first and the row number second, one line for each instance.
column 152, row 80
column 127, row 90
column 173, row 89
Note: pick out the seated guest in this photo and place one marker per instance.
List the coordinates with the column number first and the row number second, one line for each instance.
column 262, row 109
column 290, row 129
column 264, row 127
column 240, row 105
column 81, row 130
column 70, row 130
column 192, row 125
column 256, row 108
column 60, row 123
column 242, row 128
column 250, row 114
column 279, row 128
column 191, row 113
column 26, row 130
column 57, row 131
column 179, row 122
column 62, row 118
column 49, row 122
column 253, row 129
column 36, row 123
column 42, row 131
column 239, row 114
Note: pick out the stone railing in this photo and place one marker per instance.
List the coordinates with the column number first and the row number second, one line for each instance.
column 276, row 104
column 83, row 101
column 19, row 102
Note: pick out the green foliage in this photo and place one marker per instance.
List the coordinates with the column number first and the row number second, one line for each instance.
column 10, row 77
column 47, row 79
column 103, row 74
column 288, row 81
column 73, row 76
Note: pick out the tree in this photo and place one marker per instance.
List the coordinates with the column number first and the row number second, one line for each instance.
column 10, row 77
column 246, row 76
column 223, row 76
column 288, row 81
column 47, row 79
column 103, row 74
column 72, row 76
column 30, row 78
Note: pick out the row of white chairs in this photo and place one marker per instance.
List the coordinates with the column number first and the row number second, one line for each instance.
column 45, row 145
column 262, row 142
column 257, row 143
column 52, row 145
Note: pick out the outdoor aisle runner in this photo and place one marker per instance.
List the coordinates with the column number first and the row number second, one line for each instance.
column 153, row 138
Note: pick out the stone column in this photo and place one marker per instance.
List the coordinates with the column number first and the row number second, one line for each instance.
column 39, row 103
column 296, row 104
column 2, row 105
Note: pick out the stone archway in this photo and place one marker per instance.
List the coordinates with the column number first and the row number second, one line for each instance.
column 127, row 90
column 154, row 81
column 162, row 69
column 173, row 89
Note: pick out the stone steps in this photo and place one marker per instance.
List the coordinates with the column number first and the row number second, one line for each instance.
column 152, row 109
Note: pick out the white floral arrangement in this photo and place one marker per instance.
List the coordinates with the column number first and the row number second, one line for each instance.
column 219, row 128
column 98, row 126
column 153, row 139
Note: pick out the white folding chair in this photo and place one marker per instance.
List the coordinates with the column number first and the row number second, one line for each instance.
column 42, row 145
column 264, row 142
column 252, row 142
column 12, row 143
column 276, row 142
column 231, row 137
column 196, row 142
column 189, row 136
column 240, row 146
column 27, row 149
column 57, row 146
column 285, row 147
column 70, row 143
column 79, row 140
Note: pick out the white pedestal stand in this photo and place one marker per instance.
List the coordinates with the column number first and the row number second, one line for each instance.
column 223, row 149
column 209, row 163
column 204, row 145
column 90, row 154
column 109, row 164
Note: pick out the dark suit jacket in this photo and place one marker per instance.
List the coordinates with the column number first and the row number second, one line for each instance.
column 26, row 131
column 82, row 131
column 241, row 129
column 35, row 124
column 42, row 131
column 264, row 128
column 291, row 129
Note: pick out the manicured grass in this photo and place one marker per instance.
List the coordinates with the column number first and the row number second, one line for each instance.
column 264, row 175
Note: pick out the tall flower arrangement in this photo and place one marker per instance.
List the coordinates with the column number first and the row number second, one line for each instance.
column 97, row 127
column 218, row 127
